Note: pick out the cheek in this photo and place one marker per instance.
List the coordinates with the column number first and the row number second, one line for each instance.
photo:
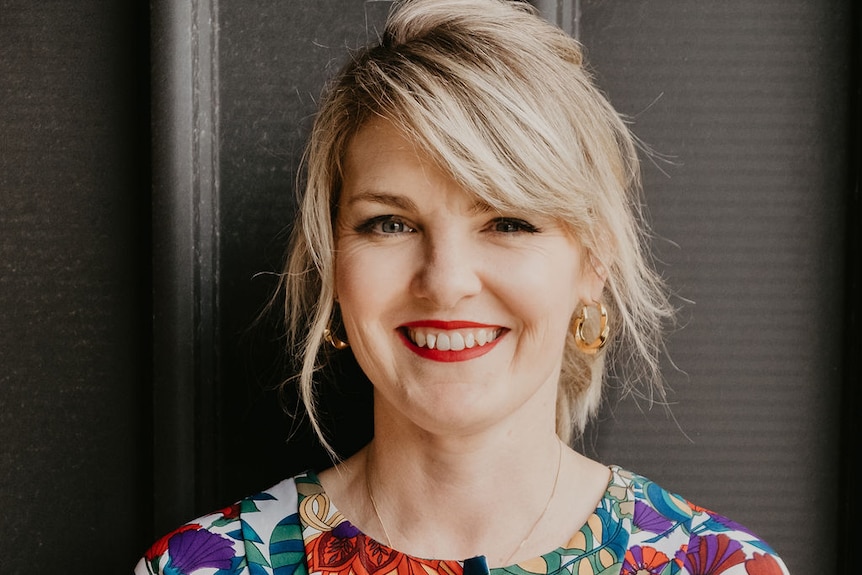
column 368, row 294
column 351, row 286
column 350, row 261
column 365, row 283
column 547, row 287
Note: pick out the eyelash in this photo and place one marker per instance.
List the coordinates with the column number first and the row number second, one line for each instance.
column 519, row 225
column 372, row 225
column 511, row 225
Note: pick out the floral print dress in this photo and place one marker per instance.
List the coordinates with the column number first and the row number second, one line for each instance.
column 638, row 528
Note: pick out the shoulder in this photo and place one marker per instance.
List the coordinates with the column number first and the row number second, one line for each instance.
column 251, row 531
column 668, row 528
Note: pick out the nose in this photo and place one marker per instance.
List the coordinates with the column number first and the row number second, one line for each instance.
column 448, row 271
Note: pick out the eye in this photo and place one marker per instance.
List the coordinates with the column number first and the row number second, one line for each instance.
column 512, row 226
column 384, row 225
column 392, row 226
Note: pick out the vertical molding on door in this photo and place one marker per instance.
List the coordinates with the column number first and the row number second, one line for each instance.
column 851, row 405
column 185, row 255
column 564, row 13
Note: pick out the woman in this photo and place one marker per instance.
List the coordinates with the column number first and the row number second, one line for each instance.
column 470, row 231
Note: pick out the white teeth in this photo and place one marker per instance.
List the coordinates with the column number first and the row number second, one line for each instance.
column 481, row 337
column 453, row 340
column 456, row 342
column 443, row 342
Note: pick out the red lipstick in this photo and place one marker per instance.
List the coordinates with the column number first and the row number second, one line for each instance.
column 449, row 356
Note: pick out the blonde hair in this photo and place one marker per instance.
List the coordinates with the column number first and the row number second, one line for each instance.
column 503, row 101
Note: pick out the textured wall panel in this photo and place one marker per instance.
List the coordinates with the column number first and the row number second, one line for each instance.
column 747, row 102
column 74, row 267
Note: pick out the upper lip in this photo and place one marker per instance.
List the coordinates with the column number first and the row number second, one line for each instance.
column 447, row 325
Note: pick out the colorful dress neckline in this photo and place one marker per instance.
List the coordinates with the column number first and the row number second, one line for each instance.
column 292, row 528
column 336, row 547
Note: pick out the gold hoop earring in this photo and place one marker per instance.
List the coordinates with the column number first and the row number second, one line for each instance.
column 333, row 340
column 591, row 347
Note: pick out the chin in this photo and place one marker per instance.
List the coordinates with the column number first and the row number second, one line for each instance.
column 457, row 415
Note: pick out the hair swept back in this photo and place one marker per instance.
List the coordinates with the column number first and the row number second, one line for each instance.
column 503, row 101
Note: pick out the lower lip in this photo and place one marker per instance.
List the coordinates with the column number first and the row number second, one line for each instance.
column 450, row 356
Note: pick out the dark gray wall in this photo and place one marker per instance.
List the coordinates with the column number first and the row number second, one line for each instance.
column 74, row 287
column 748, row 105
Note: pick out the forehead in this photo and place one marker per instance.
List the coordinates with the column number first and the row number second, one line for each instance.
column 381, row 158
column 378, row 144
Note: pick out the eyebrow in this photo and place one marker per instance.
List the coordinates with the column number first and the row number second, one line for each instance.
column 479, row 207
column 405, row 203
column 393, row 200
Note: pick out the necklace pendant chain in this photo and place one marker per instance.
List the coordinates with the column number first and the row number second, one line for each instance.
column 541, row 516
column 523, row 541
column 371, row 498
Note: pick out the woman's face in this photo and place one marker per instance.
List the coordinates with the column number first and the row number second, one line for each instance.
column 457, row 313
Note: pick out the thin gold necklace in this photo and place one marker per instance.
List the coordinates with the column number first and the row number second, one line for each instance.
column 523, row 541
column 374, row 503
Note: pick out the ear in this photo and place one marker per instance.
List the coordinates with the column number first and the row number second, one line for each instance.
column 594, row 276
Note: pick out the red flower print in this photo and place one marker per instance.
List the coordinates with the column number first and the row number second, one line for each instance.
column 711, row 554
column 347, row 551
column 644, row 561
column 159, row 547
column 344, row 550
column 231, row 512
column 407, row 565
column 698, row 508
column 763, row 564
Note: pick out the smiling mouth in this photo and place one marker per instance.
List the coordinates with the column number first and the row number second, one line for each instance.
column 452, row 340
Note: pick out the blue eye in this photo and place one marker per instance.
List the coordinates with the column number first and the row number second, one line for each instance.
column 384, row 225
column 392, row 227
column 513, row 226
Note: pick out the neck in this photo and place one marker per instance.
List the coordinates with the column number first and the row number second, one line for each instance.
column 460, row 483
column 450, row 495
column 462, row 462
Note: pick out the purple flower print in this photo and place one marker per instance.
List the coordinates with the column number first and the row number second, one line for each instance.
column 648, row 519
column 711, row 555
column 193, row 550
